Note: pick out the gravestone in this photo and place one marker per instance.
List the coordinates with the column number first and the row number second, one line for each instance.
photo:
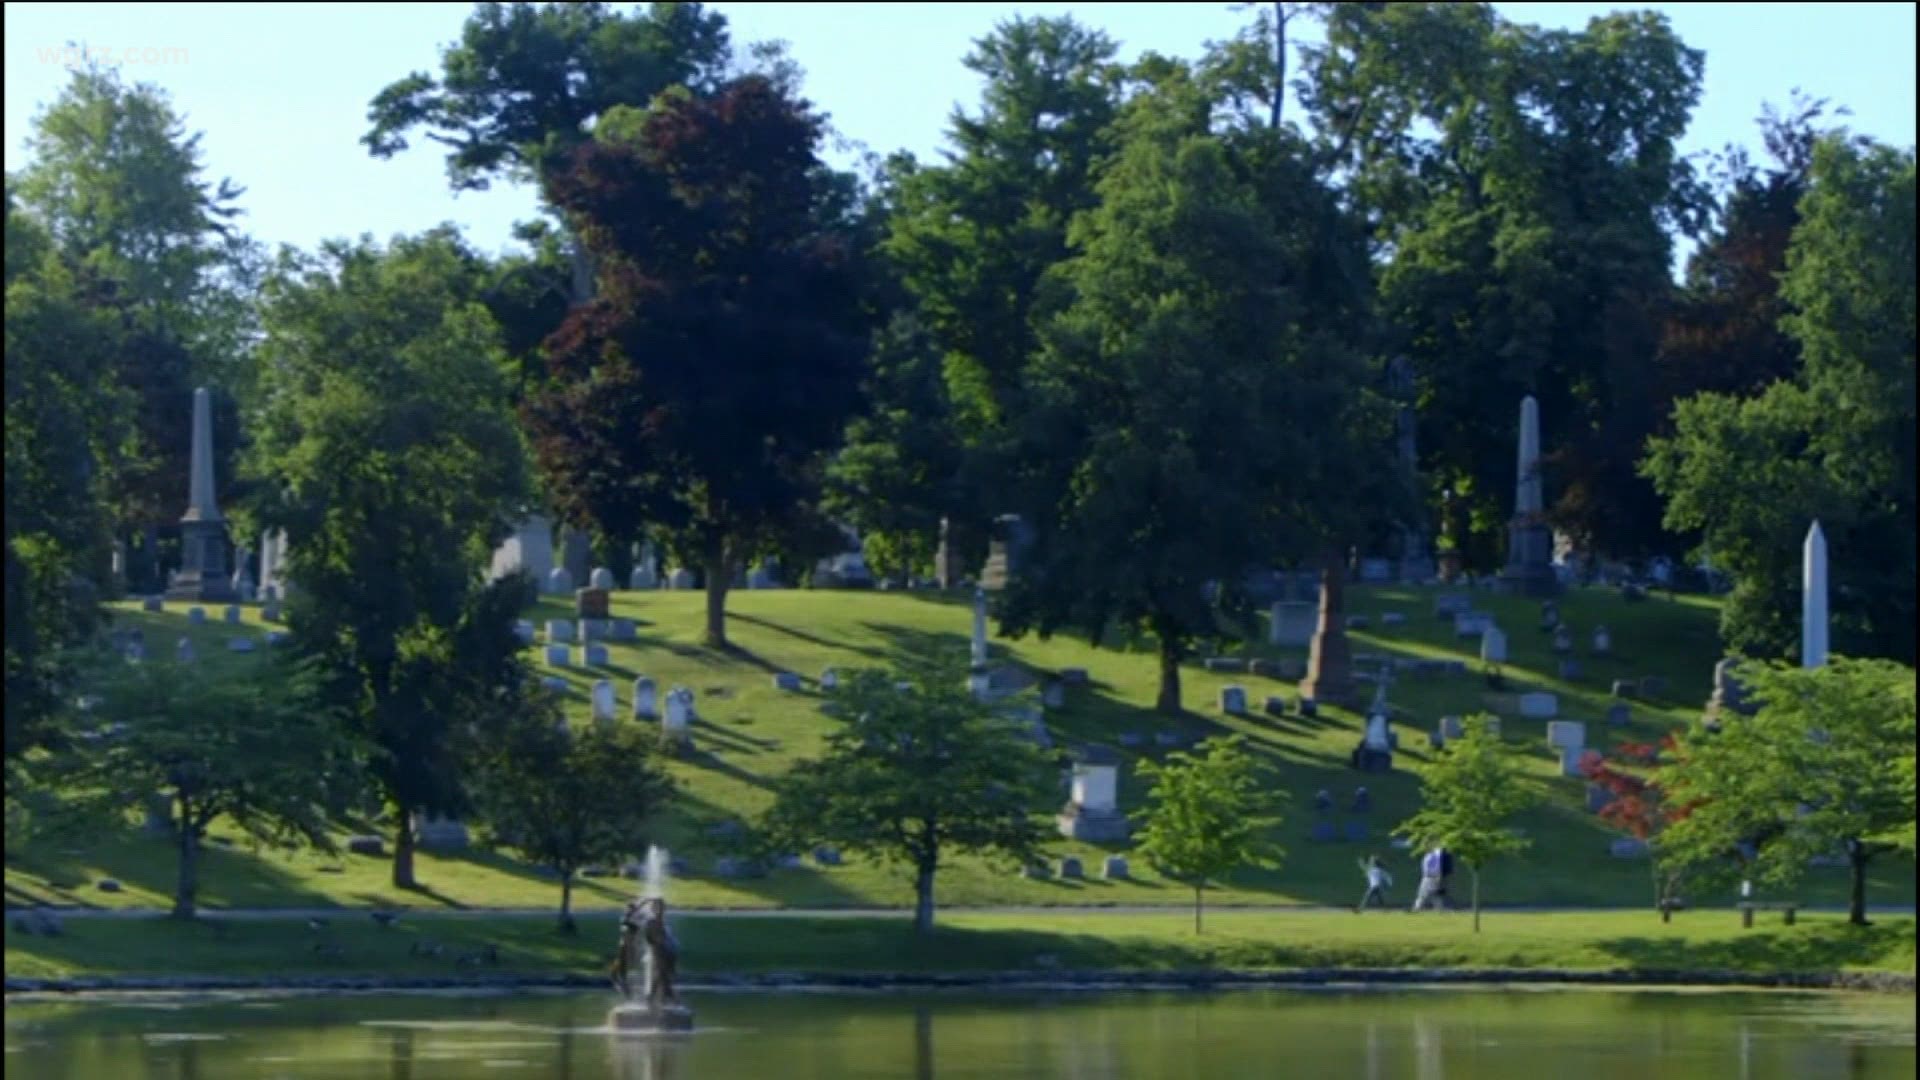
column 601, row 578
column 1493, row 646
column 183, row 651
column 1447, row 605
column 1323, row 803
column 591, row 603
column 231, row 615
column 1549, row 615
column 559, row 582
column 1728, row 692
column 1323, row 832
column 827, row 856
column 786, row 680
column 1569, row 669
column 1224, row 663
column 947, row 569
column 1070, row 869
column 1054, row 696
column 277, row 638
column 1233, row 700
column 1375, row 571
column 1291, row 623
column 1471, row 624
column 1356, row 831
column 1375, row 752
column 596, row 656
column 643, row 577
column 1626, row 688
column 604, row 706
column 1619, row 714
column 203, row 530
column 1451, row 727
column 1091, row 813
column 1813, row 599
column 675, row 725
column 680, row 578
column 1276, row 705
column 554, row 683
column 1362, row 801
column 829, row 679
column 1562, row 734
column 240, row 645
column 1309, row 708
column 153, row 604
column 559, row 656
column 528, row 550
column 196, row 616
column 1007, row 551
column 1114, row 868
column 623, row 630
column 1393, row 618
column 1329, row 661
column 643, row 705
column 1132, row 738
column 1529, row 569
column 559, row 631
column 1562, row 640
column 270, row 611
column 1539, row 705
column 1570, row 757
column 437, row 833
column 1602, row 641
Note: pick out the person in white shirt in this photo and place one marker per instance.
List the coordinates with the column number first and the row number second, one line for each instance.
column 1430, row 865
column 1377, row 881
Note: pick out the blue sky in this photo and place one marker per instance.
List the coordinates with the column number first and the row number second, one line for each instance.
column 281, row 90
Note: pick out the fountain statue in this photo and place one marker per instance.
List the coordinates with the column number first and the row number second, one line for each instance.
column 647, row 945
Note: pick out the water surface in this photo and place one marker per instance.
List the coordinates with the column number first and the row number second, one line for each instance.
column 1423, row 1034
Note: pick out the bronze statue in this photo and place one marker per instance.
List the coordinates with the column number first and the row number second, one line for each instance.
column 644, row 926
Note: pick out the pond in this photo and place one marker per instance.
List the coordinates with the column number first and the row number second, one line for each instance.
column 1425, row 1034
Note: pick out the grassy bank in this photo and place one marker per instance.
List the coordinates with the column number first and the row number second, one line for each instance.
column 1698, row 941
column 749, row 734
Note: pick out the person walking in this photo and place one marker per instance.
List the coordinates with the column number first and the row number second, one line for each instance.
column 1430, row 865
column 1377, row 881
column 1444, row 895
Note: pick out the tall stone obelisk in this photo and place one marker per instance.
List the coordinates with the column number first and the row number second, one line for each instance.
column 1529, row 569
column 979, row 682
column 203, row 531
column 1329, row 655
column 1813, row 599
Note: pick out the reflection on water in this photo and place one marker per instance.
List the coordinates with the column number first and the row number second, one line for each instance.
column 1425, row 1034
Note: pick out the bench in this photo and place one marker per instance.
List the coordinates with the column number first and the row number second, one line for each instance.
column 1748, row 907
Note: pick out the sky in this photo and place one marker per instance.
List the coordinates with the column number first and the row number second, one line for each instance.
column 280, row 91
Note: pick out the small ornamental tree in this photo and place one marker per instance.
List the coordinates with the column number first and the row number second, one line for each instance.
column 1207, row 815
column 1639, row 809
column 257, row 747
column 567, row 799
column 917, row 772
column 1471, row 792
column 1824, row 764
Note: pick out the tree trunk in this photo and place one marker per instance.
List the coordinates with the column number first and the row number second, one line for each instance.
column 717, row 581
column 1857, row 893
column 1279, row 61
column 187, row 885
column 566, row 901
column 1196, row 908
column 1171, row 648
column 403, row 851
column 1474, row 872
column 923, row 900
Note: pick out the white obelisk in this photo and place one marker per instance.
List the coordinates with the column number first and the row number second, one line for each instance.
column 1813, row 599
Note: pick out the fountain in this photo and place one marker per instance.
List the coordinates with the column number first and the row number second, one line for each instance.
column 647, row 944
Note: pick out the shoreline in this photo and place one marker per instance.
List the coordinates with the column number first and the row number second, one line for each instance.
column 1071, row 980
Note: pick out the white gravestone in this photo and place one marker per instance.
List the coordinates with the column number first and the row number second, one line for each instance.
column 643, row 577
column 680, row 578
column 623, row 630
column 679, row 714
column 559, row 582
column 601, row 578
column 1095, row 787
column 643, row 705
column 604, row 705
column 1539, row 706
column 529, row 549
column 829, row 679
column 596, row 656
column 1562, row 734
column 1376, row 738
column 1493, row 645
column 559, row 631
column 1813, row 599
column 1602, row 641
column 1570, row 760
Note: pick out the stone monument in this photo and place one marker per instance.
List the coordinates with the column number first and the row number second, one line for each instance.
column 648, row 947
column 530, row 548
column 1329, row 659
column 979, row 682
column 1813, row 599
column 946, row 559
column 203, row 532
column 1007, row 552
column 1091, row 812
column 1529, row 570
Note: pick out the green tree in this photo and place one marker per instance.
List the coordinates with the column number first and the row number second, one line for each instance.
column 1825, row 763
column 1834, row 443
column 913, row 776
column 393, row 461
column 256, row 746
column 568, row 799
column 1206, row 816
column 1195, row 410
column 1469, row 795
column 1523, row 185
column 119, row 184
column 65, row 432
column 701, row 391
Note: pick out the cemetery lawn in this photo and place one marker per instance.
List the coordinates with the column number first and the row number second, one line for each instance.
column 749, row 734
column 1699, row 941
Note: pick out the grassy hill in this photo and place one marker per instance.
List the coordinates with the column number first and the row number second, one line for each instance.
column 749, row 733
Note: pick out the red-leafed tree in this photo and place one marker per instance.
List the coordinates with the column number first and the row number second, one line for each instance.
column 699, row 392
column 1639, row 809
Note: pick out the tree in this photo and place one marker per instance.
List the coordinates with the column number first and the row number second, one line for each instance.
column 1525, row 233
column 914, row 775
column 1835, row 442
column 256, row 746
column 1824, row 764
column 1197, row 393
column 1639, row 809
column 392, row 460
column 65, row 432
column 568, row 799
column 700, row 392
column 1206, row 815
column 1469, row 794
column 117, row 181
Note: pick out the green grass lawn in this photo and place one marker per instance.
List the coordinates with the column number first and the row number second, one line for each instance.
column 749, row 734
column 1700, row 940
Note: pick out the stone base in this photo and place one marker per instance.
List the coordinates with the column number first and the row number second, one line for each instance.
column 1529, row 570
column 642, row 1017
column 1369, row 760
column 1093, row 826
column 194, row 586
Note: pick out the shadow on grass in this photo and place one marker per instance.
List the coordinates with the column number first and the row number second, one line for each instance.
column 1824, row 946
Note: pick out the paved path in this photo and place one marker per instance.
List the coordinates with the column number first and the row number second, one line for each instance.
column 1089, row 911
